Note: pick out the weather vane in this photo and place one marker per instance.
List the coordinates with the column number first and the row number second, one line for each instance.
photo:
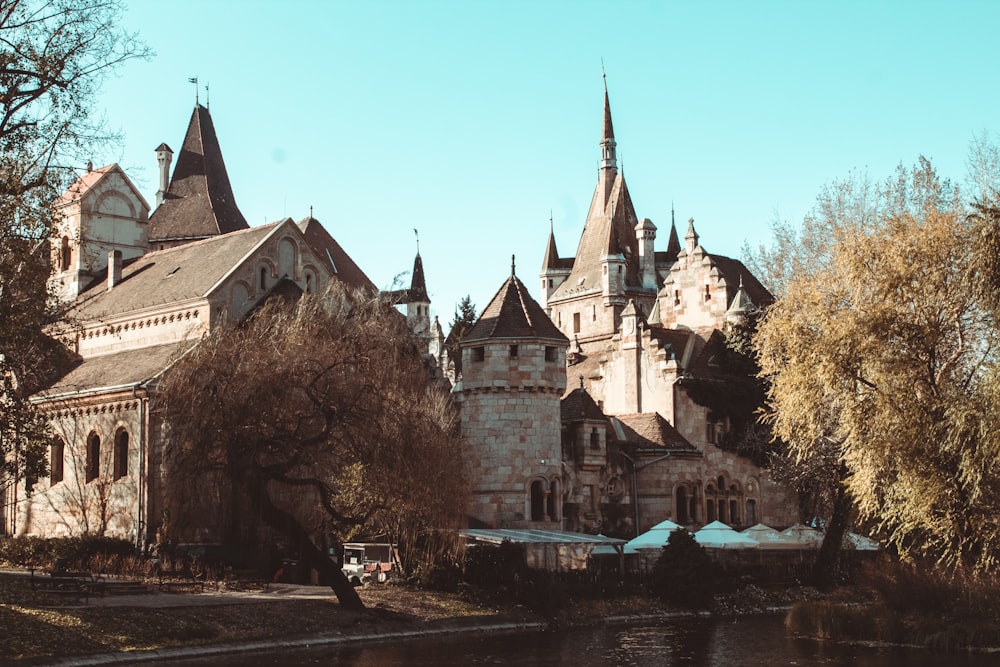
column 194, row 80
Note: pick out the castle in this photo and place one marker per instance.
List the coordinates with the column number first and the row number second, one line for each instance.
column 579, row 408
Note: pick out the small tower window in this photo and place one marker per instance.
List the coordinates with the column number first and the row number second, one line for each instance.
column 708, row 292
column 513, row 351
column 478, row 354
column 595, row 439
column 550, row 353
column 576, row 322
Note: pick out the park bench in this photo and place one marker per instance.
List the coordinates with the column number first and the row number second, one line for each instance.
column 170, row 577
column 67, row 584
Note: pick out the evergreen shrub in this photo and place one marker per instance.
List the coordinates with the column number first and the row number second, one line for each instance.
column 684, row 574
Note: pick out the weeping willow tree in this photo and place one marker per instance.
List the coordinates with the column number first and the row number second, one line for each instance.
column 315, row 418
column 882, row 360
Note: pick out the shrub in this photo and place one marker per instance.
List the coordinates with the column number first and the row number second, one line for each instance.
column 684, row 574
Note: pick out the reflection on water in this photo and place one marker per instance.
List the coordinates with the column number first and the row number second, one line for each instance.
column 743, row 642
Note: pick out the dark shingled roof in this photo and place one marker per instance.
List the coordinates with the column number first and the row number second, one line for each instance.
column 578, row 406
column 117, row 370
column 199, row 201
column 734, row 270
column 650, row 430
column 327, row 248
column 512, row 313
column 176, row 274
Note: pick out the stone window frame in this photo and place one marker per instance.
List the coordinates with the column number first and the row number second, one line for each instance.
column 120, row 453
column 57, row 460
column 92, row 462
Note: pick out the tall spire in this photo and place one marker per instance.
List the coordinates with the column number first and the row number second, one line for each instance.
column 608, row 157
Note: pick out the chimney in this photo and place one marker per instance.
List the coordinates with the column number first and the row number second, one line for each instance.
column 163, row 157
column 114, row 268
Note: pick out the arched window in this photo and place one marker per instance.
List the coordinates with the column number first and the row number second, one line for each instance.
column 65, row 255
column 93, row 457
column 537, row 500
column 263, row 277
column 309, row 283
column 709, row 511
column 751, row 512
column 121, row 454
column 682, row 505
column 56, row 453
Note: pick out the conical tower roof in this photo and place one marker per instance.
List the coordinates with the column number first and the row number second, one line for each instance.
column 512, row 313
column 418, row 287
column 199, row 201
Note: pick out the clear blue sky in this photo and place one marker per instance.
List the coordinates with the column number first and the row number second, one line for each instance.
column 472, row 120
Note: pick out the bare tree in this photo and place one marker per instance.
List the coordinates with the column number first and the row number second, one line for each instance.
column 54, row 55
column 312, row 417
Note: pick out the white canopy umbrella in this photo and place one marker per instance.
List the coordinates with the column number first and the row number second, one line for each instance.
column 718, row 535
column 804, row 536
column 769, row 538
column 654, row 538
column 859, row 542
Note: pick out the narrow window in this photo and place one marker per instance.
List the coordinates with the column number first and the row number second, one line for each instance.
column 550, row 353
column 93, row 457
column 677, row 297
column 537, row 501
column 576, row 322
column 682, row 505
column 56, row 461
column 751, row 512
column 121, row 454
column 734, row 513
column 595, row 439
column 710, row 510
column 64, row 254
column 478, row 353
column 263, row 277
column 593, row 313
column 309, row 283
column 513, row 351
column 708, row 293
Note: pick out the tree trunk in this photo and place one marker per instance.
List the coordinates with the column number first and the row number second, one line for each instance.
column 827, row 565
column 312, row 556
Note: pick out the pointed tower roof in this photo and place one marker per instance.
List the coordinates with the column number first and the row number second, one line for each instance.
column 418, row 287
column 673, row 243
column 610, row 225
column 199, row 201
column 512, row 313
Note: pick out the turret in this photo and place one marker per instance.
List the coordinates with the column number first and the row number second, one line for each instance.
column 164, row 156
column 645, row 233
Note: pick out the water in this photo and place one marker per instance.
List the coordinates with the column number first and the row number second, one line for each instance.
column 743, row 642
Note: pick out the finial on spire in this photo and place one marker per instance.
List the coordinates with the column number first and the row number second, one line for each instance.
column 673, row 219
column 194, row 80
column 310, row 212
column 604, row 75
column 512, row 273
column 207, row 101
column 416, row 235
column 550, row 221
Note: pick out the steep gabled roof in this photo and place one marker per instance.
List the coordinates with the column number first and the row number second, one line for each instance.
column 176, row 274
column 199, row 201
column 512, row 313
column 649, row 430
column 736, row 272
column 327, row 249
column 90, row 179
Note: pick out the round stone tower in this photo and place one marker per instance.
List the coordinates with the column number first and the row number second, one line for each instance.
column 513, row 377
